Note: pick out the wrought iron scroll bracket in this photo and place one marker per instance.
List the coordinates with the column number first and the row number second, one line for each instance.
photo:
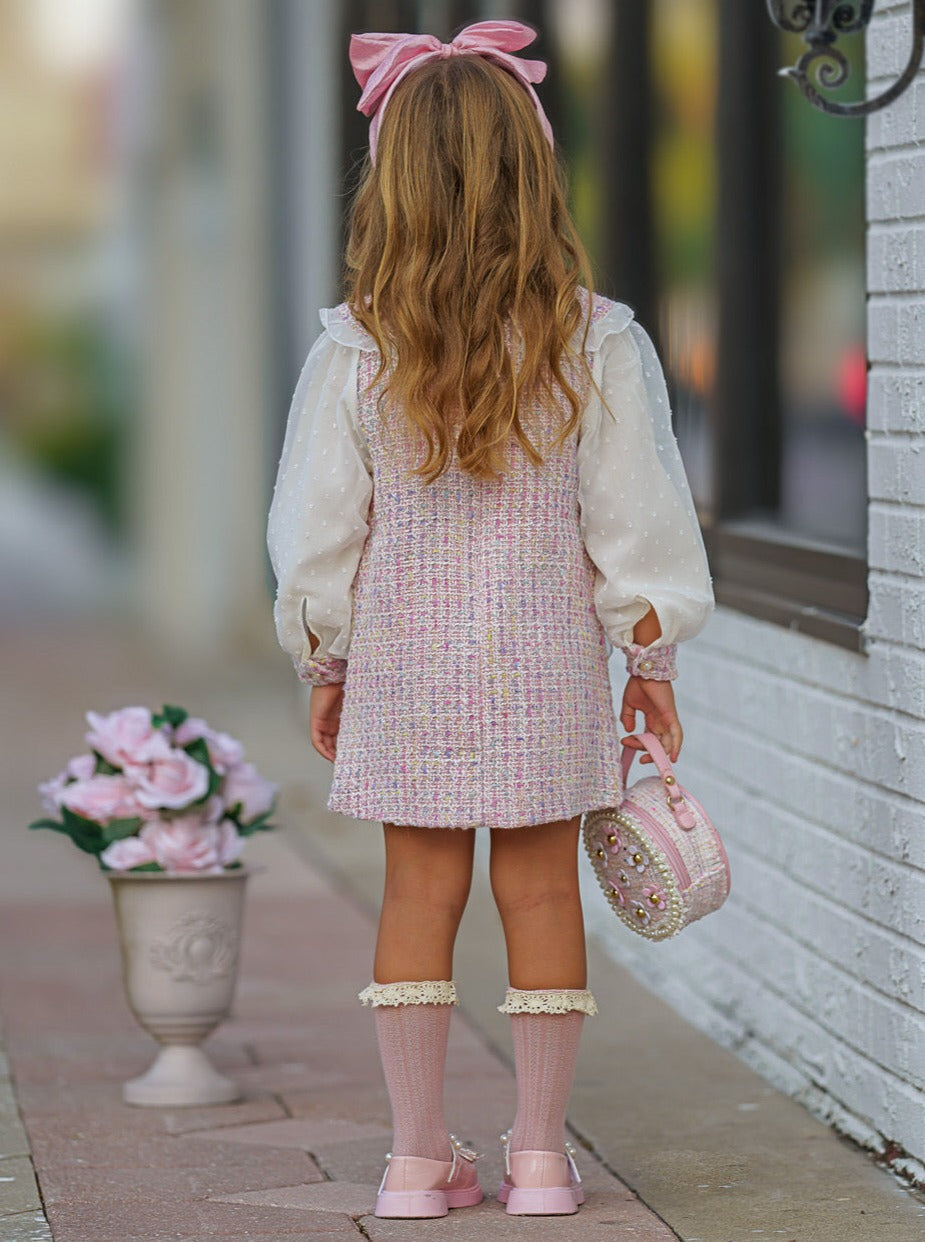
column 821, row 23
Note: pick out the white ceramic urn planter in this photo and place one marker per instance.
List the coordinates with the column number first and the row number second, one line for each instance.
column 180, row 935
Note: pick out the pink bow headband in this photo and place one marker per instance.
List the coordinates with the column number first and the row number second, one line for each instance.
column 380, row 61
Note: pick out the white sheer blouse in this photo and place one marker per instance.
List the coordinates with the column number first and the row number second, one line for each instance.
column 637, row 514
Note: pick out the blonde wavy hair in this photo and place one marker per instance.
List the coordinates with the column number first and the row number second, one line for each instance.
column 462, row 226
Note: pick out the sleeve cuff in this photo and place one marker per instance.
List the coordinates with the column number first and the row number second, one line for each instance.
column 652, row 663
column 326, row 672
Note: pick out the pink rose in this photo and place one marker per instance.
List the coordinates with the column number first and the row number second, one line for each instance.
column 101, row 798
column 126, row 736
column 173, row 780
column 188, row 844
column 244, row 784
column 230, row 844
column 224, row 751
column 50, row 792
column 79, row 768
column 129, row 852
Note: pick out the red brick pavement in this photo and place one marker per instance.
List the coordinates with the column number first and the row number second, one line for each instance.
column 300, row 1156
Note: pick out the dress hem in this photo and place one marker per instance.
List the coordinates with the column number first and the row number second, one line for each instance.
column 343, row 806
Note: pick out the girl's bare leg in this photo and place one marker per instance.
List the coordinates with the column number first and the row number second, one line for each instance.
column 428, row 874
column 534, row 878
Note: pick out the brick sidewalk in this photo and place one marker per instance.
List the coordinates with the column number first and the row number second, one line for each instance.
column 705, row 1144
column 301, row 1155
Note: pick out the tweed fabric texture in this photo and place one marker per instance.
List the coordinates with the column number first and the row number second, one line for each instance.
column 471, row 620
column 477, row 690
column 656, row 663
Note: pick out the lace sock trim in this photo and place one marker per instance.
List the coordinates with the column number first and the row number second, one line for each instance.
column 552, row 1000
column 425, row 992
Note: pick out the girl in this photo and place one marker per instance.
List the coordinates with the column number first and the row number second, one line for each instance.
column 479, row 496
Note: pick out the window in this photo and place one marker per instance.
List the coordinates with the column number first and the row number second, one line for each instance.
column 730, row 215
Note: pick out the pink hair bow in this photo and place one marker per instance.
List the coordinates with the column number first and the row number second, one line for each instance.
column 380, row 61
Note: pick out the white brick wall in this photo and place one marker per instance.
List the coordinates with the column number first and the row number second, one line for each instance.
column 811, row 758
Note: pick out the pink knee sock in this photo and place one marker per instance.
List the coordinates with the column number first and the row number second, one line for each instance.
column 546, row 1027
column 412, row 1045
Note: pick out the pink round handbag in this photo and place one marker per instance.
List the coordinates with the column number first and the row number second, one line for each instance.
column 658, row 858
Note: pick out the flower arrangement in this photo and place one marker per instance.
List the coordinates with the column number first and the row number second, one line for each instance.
column 158, row 792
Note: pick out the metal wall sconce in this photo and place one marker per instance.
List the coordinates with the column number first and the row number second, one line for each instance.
column 821, row 23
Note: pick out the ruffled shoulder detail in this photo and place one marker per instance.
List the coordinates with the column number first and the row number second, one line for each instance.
column 607, row 317
column 344, row 328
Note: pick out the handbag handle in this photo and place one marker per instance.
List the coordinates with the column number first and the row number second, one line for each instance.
column 678, row 805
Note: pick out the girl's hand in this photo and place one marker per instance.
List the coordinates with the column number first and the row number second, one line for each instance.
column 655, row 699
column 324, row 718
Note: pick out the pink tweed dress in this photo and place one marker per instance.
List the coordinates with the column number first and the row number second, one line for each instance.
column 466, row 617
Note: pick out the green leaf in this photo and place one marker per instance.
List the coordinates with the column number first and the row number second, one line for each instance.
column 259, row 824
column 199, row 750
column 169, row 714
column 73, row 820
column 104, row 767
column 54, row 824
column 117, row 829
column 85, row 834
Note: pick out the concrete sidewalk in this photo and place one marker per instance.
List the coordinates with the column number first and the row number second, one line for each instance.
column 678, row 1138
column 300, row 1156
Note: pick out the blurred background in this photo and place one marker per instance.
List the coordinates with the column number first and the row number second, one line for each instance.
column 175, row 179
column 176, row 174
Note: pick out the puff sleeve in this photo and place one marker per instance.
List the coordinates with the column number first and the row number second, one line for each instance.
column 317, row 523
column 637, row 514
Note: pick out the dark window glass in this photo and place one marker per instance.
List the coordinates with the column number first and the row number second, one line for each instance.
column 823, row 368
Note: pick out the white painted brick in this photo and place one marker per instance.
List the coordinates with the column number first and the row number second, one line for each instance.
column 896, row 400
column 851, row 738
column 740, row 643
column 896, row 539
column 889, row 894
column 765, row 1030
column 896, row 258
column 885, row 1099
column 896, row 468
column 897, row 610
column 823, row 925
column 874, row 1025
column 900, row 122
column 887, row 47
column 895, row 186
column 896, row 327
column 882, row 332
column 865, row 815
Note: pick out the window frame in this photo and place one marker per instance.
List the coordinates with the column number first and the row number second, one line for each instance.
column 759, row 566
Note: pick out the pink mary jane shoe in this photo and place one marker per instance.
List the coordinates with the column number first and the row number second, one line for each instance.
column 540, row 1183
column 414, row 1187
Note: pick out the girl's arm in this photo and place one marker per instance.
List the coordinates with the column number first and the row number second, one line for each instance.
column 639, row 525
column 317, row 523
